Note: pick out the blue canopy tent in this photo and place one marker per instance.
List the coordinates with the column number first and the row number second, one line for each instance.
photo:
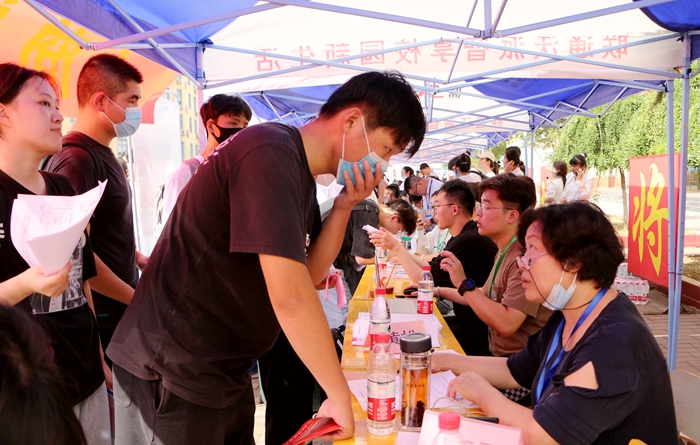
column 510, row 54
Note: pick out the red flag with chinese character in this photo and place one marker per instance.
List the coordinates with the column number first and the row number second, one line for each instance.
column 649, row 216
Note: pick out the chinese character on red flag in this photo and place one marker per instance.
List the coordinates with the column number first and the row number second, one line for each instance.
column 580, row 45
column 614, row 41
column 512, row 42
column 337, row 51
column 443, row 50
column 648, row 224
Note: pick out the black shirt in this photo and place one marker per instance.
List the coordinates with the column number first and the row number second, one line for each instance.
column 201, row 312
column 475, row 252
column 356, row 242
column 111, row 226
column 634, row 398
column 67, row 318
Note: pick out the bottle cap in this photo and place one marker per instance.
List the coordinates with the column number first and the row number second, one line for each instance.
column 416, row 342
column 380, row 291
column 405, row 238
column 426, row 267
column 382, row 337
column 449, row 420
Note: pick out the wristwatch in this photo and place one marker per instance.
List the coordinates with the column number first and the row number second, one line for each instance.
column 467, row 285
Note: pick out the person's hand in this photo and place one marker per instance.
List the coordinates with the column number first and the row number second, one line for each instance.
column 332, row 281
column 472, row 387
column 453, row 266
column 51, row 286
column 342, row 414
column 440, row 361
column 394, row 260
column 141, row 260
column 419, row 224
column 384, row 238
column 366, row 182
column 108, row 376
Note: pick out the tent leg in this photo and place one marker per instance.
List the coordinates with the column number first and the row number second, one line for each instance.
column 671, row 192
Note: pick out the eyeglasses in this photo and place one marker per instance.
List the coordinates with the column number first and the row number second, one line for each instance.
column 485, row 208
column 435, row 206
column 526, row 262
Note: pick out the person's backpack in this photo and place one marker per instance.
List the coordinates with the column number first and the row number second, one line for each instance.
column 158, row 222
column 483, row 176
column 3, row 216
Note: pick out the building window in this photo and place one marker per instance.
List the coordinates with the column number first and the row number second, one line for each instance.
column 190, row 125
column 179, row 96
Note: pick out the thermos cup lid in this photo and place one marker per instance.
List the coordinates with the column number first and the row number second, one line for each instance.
column 416, row 342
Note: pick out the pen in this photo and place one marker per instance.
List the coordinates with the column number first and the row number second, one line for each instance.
column 486, row 419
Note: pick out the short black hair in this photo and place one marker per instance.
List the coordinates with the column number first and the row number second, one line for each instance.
column 224, row 105
column 33, row 405
column 518, row 191
column 107, row 73
column 512, row 153
column 387, row 100
column 407, row 216
column 395, row 190
column 459, row 192
column 423, row 165
column 581, row 235
column 14, row 78
column 410, row 182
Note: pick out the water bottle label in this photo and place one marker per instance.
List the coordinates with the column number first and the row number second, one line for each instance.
column 425, row 307
column 377, row 328
column 381, row 400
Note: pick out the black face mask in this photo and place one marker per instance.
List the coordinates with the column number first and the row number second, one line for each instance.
column 225, row 133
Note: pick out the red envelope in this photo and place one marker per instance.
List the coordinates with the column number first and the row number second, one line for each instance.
column 313, row 428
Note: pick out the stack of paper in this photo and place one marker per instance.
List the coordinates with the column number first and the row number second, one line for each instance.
column 46, row 229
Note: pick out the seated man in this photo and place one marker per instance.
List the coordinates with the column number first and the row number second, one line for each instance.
column 453, row 209
column 501, row 303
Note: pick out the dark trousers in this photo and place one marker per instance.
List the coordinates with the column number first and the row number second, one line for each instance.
column 289, row 391
column 147, row 413
column 471, row 333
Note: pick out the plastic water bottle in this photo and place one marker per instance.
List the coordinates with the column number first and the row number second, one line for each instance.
column 645, row 293
column 425, row 291
column 449, row 429
column 382, row 271
column 379, row 317
column 381, row 388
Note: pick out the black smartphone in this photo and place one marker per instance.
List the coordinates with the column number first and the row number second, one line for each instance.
column 410, row 292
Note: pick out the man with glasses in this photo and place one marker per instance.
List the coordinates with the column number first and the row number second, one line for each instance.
column 453, row 210
column 425, row 187
column 501, row 303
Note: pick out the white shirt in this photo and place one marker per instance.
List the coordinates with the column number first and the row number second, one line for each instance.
column 578, row 190
column 555, row 188
column 174, row 185
column 433, row 186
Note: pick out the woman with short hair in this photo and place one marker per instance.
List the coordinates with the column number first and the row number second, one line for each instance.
column 596, row 372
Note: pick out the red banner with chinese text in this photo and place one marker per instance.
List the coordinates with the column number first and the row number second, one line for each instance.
column 649, row 217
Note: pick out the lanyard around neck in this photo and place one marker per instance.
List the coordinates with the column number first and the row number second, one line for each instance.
column 548, row 371
column 498, row 264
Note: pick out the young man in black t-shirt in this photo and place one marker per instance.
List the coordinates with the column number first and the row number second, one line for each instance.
column 108, row 95
column 238, row 260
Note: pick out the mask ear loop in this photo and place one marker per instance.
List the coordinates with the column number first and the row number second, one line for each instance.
column 342, row 153
column 364, row 129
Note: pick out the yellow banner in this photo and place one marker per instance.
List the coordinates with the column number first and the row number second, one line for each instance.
column 30, row 40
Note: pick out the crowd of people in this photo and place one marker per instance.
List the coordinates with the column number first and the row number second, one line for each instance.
column 244, row 253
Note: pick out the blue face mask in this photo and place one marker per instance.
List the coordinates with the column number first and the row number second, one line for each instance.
column 559, row 297
column 346, row 166
column 132, row 120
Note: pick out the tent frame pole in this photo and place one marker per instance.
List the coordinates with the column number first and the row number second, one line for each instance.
column 671, row 194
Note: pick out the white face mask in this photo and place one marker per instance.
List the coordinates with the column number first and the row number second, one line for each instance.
column 559, row 297
column 131, row 122
column 346, row 166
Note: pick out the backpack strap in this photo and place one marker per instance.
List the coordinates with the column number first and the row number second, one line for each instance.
column 3, row 216
column 193, row 164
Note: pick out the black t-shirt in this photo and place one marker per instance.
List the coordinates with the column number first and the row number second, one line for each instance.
column 67, row 318
column 111, row 226
column 475, row 252
column 356, row 242
column 201, row 312
column 634, row 398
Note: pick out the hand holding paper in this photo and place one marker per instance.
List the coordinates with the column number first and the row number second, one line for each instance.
column 46, row 229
